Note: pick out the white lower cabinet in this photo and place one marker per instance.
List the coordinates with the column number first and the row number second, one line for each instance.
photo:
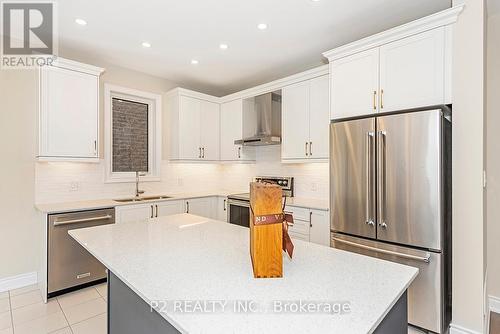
column 168, row 208
column 203, row 206
column 310, row 225
column 221, row 211
column 133, row 213
column 145, row 211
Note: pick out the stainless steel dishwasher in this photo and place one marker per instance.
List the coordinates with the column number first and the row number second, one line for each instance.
column 69, row 264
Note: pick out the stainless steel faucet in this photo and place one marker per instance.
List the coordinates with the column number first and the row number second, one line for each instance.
column 138, row 192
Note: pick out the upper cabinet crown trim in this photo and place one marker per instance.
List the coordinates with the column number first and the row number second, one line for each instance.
column 77, row 66
column 191, row 93
column 436, row 20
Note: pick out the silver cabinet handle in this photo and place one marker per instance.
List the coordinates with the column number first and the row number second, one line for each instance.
column 187, row 206
column 426, row 259
column 152, row 212
column 225, row 205
column 368, row 167
column 156, row 207
column 239, row 152
column 199, row 153
column 310, row 219
column 203, row 154
column 307, row 149
column 310, row 148
column 82, row 220
column 382, row 178
column 95, row 146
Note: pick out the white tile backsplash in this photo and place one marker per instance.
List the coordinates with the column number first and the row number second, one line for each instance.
column 68, row 181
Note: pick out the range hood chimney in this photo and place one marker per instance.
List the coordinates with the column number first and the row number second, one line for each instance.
column 261, row 120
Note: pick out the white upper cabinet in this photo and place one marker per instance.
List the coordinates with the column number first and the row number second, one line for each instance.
column 305, row 120
column 194, row 127
column 69, row 112
column 295, row 120
column 412, row 71
column 405, row 67
column 319, row 120
column 210, row 130
column 189, row 128
column 231, row 129
column 354, row 82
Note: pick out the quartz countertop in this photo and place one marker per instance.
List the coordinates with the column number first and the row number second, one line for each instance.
column 109, row 203
column 191, row 258
column 50, row 208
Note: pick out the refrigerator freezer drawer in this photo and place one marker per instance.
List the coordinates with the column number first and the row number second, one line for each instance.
column 425, row 302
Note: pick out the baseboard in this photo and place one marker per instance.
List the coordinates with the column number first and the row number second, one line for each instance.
column 18, row 281
column 455, row 329
column 494, row 303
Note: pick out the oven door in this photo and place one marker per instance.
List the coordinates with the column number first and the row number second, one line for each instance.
column 238, row 212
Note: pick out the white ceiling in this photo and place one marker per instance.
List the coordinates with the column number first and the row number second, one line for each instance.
column 298, row 32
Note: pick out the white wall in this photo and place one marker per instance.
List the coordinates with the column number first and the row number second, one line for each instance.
column 18, row 224
column 493, row 153
column 468, row 146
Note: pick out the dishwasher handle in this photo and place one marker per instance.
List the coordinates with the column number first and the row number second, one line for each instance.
column 81, row 220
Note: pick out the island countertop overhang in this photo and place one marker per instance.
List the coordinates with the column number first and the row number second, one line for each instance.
column 185, row 257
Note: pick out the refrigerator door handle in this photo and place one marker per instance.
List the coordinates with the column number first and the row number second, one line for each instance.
column 382, row 178
column 369, row 195
column 426, row 258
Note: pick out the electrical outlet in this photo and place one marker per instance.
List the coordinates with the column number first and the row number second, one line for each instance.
column 74, row 186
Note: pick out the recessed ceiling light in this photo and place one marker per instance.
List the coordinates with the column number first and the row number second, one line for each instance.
column 81, row 22
column 194, row 62
column 223, row 46
column 146, row 44
column 315, row 0
column 262, row 26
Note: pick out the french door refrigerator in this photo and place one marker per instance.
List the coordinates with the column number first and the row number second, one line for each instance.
column 390, row 184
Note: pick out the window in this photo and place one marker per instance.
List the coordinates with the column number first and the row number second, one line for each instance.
column 132, row 134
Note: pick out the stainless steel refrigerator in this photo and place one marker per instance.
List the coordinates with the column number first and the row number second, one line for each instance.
column 390, row 184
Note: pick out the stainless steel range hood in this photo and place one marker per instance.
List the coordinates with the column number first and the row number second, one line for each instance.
column 261, row 120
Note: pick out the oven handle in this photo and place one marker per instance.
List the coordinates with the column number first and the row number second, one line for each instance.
column 238, row 203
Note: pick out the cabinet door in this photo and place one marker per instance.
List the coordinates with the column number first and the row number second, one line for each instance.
column 319, row 120
column 200, row 207
column 168, row 208
column 222, row 209
column 69, row 113
column 320, row 227
column 354, row 84
column 189, row 128
column 134, row 213
column 412, row 71
column 231, row 124
column 210, row 134
column 295, row 121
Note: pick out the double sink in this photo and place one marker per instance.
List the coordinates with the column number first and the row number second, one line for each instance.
column 141, row 199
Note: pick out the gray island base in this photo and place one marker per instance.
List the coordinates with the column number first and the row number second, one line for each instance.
column 130, row 314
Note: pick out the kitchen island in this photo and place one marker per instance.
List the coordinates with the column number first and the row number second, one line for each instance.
column 188, row 274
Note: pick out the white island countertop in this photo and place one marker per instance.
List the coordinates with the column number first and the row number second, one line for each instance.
column 190, row 258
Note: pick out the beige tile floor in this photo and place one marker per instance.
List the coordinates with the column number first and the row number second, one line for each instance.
column 80, row 312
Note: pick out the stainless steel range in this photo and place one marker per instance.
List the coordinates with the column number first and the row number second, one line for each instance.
column 238, row 212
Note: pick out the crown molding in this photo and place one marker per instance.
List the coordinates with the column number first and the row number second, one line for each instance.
column 442, row 18
column 77, row 66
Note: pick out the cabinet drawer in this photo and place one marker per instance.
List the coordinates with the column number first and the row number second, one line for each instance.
column 299, row 236
column 298, row 213
column 299, row 226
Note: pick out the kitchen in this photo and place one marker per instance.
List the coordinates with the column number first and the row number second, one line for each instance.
column 194, row 159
